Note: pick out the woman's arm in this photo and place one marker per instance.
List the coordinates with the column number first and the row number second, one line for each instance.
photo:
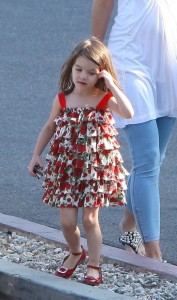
column 101, row 12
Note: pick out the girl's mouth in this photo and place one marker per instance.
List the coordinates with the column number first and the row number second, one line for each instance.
column 82, row 83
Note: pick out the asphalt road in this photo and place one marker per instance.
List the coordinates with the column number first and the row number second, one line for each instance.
column 35, row 39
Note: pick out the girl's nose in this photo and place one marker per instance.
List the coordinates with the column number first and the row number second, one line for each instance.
column 83, row 75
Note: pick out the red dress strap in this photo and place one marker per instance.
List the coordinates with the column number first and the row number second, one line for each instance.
column 104, row 101
column 62, row 100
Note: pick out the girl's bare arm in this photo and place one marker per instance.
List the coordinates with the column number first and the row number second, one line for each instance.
column 119, row 103
column 44, row 136
column 101, row 12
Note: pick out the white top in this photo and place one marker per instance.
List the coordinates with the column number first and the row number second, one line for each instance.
column 143, row 44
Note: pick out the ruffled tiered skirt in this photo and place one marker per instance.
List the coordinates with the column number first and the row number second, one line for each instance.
column 84, row 166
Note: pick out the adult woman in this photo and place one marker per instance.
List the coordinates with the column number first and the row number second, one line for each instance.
column 143, row 43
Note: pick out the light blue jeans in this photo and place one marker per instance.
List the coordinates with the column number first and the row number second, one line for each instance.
column 147, row 143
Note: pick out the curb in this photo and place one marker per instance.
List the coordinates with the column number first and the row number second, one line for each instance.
column 46, row 286
column 18, row 282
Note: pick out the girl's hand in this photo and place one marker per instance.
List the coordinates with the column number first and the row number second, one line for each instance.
column 34, row 161
column 107, row 78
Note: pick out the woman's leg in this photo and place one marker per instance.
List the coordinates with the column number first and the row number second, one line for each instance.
column 165, row 127
column 71, row 232
column 94, row 238
column 151, row 139
column 143, row 196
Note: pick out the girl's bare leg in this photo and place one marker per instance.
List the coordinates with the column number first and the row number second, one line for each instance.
column 71, row 232
column 94, row 238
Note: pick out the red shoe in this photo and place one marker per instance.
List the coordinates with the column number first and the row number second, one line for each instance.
column 63, row 271
column 90, row 280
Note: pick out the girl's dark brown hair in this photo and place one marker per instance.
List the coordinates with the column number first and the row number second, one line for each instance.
column 97, row 52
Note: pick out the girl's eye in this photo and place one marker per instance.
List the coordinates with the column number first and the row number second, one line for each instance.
column 91, row 73
column 79, row 70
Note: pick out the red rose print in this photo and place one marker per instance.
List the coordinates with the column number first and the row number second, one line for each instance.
column 74, row 146
column 81, row 148
column 75, row 115
column 87, row 199
column 82, row 186
column 101, row 146
column 58, row 164
column 72, row 130
column 80, row 163
column 64, row 186
column 95, row 188
column 100, row 174
column 54, row 149
column 71, row 156
column 77, row 172
column 84, row 175
column 97, row 202
column 61, row 149
column 62, row 171
column 83, row 129
column 65, row 177
column 119, row 184
column 86, row 113
column 74, row 162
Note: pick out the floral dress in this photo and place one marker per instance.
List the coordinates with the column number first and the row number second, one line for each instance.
column 84, row 165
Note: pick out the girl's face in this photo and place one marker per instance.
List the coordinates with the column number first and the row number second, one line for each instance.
column 84, row 74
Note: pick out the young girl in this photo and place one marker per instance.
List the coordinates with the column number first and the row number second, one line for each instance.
column 84, row 164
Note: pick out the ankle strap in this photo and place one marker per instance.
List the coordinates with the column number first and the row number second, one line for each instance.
column 76, row 253
column 93, row 267
column 79, row 252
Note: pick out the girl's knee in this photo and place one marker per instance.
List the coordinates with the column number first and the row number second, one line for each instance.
column 89, row 221
column 68, row 218
column 68, row 224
